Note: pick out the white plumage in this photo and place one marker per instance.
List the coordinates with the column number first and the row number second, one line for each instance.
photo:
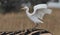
column 39, row 11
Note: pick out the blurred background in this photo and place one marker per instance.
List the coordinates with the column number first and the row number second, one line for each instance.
column 13, row 18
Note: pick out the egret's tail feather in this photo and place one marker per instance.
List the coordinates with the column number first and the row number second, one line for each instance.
column 41, row 21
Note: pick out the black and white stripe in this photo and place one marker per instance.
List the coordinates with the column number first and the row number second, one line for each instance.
column 26, row 32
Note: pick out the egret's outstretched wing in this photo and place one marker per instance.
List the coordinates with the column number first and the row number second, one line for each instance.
column 35, row 19
column 41, row 12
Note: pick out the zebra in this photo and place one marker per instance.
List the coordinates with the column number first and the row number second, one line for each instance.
column 26, row 32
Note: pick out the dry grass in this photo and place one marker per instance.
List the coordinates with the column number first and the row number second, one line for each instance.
column 19, row 21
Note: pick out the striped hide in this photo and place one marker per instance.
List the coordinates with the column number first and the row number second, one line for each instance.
column 26, row 32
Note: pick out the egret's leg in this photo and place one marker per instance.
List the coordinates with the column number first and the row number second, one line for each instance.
column 36, row 25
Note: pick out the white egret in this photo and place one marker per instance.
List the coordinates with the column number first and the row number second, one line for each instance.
column 39, row 11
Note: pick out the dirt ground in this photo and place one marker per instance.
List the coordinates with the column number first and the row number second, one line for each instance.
column 19, row 21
